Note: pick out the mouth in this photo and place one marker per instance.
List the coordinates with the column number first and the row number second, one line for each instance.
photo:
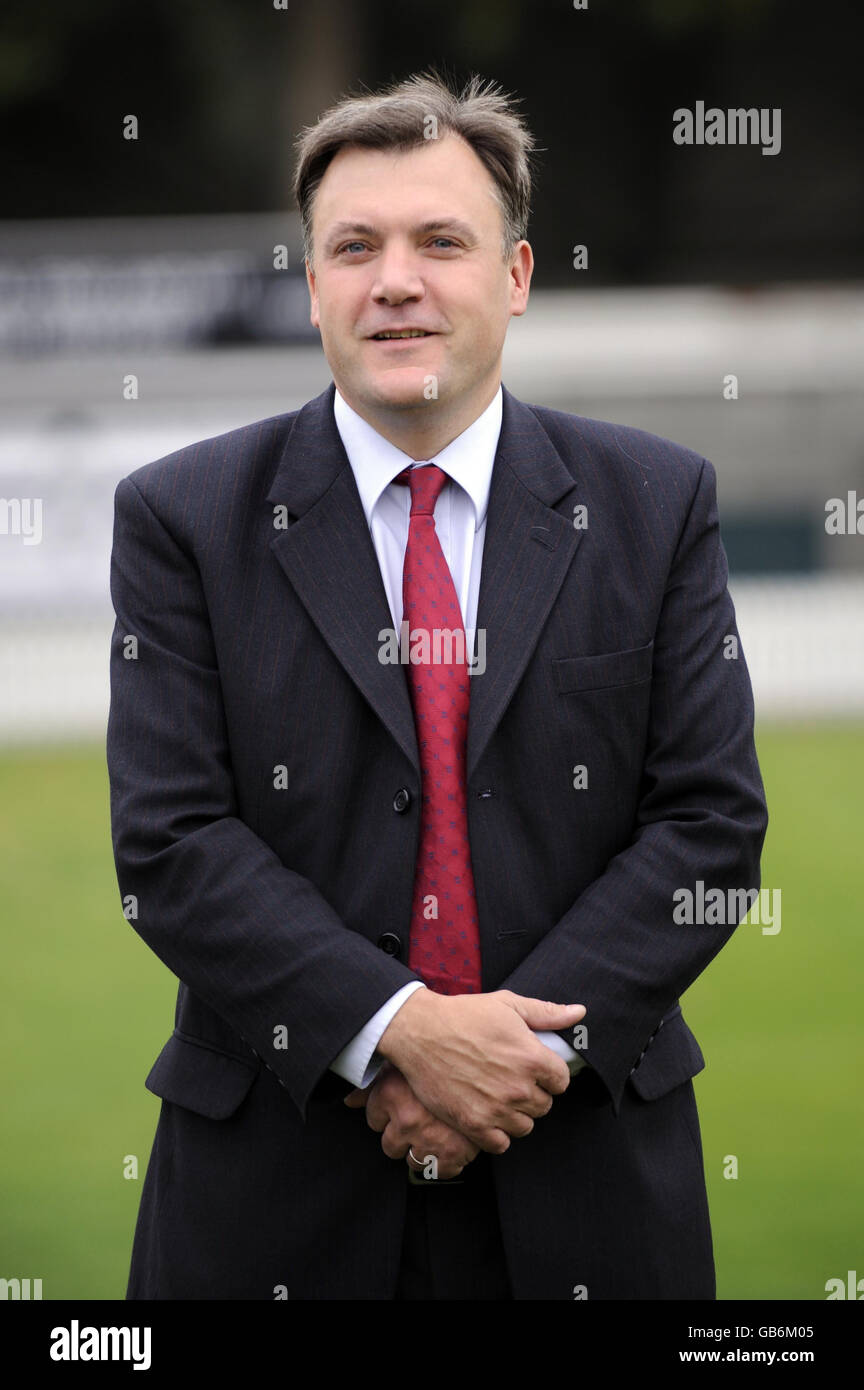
column 400, row 335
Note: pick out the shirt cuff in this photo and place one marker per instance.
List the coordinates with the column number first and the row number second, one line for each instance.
column 357, row 1061
column 570, row 1055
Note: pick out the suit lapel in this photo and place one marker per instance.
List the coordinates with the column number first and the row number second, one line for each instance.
column 528, row 549
column 327, row 554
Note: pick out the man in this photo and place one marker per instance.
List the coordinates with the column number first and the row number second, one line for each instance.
column 420, row 717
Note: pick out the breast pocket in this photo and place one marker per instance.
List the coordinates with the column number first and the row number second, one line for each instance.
column 607, row 671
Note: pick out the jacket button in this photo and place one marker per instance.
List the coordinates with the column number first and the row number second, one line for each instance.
column 391, row 943
column 402, row 800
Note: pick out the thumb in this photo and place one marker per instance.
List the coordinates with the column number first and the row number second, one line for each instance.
column 541, row 1014
column 356, row 1099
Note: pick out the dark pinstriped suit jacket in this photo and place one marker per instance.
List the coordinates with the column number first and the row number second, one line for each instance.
column 256, row 746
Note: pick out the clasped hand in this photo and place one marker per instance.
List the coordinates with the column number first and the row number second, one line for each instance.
column 404, row 1123
column 464, row 1073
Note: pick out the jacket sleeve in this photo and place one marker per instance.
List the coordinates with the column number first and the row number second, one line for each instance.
column 248, row 936
column 701, row 816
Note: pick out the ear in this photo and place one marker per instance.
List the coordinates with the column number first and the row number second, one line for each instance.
column 521, row 268
column 312, row 282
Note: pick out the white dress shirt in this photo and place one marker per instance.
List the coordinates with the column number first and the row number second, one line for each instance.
column 460, row 522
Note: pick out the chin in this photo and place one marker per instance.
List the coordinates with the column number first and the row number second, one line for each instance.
column 400, row 390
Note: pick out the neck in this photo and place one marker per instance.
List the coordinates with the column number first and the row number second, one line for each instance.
column 423, row 431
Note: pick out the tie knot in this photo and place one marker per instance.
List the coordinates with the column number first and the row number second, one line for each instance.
column 425, row 484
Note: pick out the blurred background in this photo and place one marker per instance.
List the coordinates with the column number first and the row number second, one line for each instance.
column 152, row 293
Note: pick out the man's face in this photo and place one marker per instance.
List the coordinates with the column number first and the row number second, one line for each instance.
column 412, row 239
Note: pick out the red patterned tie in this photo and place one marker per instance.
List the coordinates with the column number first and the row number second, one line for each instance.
column 445, row 940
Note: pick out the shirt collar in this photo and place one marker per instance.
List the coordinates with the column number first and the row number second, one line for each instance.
column 468, row 458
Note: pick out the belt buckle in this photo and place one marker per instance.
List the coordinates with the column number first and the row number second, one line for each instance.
column 417, row 1180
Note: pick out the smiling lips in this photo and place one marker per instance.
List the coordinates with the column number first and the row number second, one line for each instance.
column 389, row 335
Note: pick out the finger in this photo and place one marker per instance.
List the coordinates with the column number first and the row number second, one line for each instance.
column 491, row 1141
column 437, row 1166
column 543, row 1104
column 463, row 1152
column 462, row 1160
column 552, row 1072
column 518, row 1125
column 377, row 1115
column 542, row 1015
column 450, row 1170
column 394, row 1143
column 536, row 1105
column 356, row 1099
column 452, row 1150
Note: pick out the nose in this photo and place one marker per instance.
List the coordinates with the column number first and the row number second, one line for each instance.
column 397, row 276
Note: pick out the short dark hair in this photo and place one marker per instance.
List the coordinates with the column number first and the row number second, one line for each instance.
column 399, row 117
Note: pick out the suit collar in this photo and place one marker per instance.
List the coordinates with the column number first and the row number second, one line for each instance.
column 314, row 454
column 312, row 457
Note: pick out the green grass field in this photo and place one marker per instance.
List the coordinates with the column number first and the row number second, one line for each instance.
column 88, row 1008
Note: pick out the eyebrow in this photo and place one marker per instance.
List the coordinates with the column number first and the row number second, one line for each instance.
column 437, row 224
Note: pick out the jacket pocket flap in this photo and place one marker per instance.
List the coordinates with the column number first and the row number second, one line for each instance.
column 673, row 1057
column 200, row 1078
column 604, row 672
